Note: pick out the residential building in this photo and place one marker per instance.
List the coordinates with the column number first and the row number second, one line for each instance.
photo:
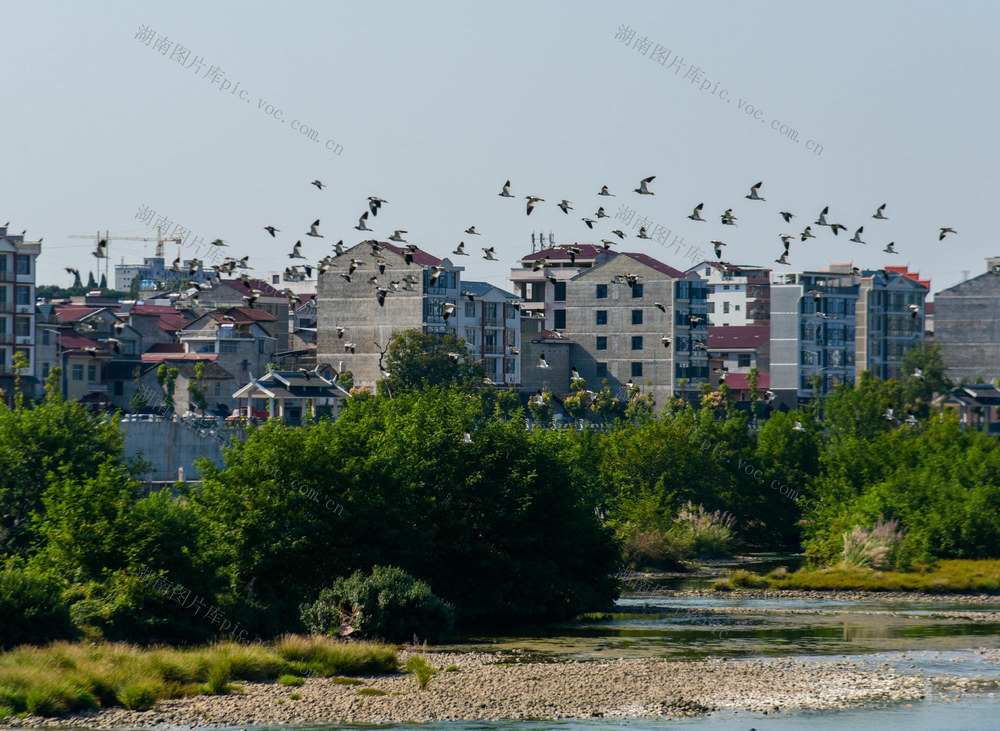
column 977, row 406
column 812, row 333
column 889, row 315
column 241, row 338
column 17, row 310
column 738, row 294
column 967, row 326
column 544, row 290
column 733, row 351
column 154, row 274
column 293, row 396
column 232, row 293
column 618, row 330
column 416, row 302
column 491, row 327
column 537, row 345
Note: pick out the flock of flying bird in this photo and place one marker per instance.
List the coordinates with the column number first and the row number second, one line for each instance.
column 406, row 283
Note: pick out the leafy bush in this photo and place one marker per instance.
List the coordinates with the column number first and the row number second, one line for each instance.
column 422, row 670
column 290, row 680
column 388, row 603
column 880, row 547
column 31, row 606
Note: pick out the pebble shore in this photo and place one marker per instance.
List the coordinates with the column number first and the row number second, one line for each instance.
column 486, row 688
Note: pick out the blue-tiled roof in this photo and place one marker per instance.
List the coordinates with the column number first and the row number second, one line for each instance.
column 478, row 289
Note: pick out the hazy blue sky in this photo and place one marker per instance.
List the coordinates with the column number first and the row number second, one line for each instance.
column 436, row 104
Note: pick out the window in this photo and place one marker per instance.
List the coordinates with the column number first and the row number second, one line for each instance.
column 77, row 372
column 91, row 373
column 636, row 317
column 22, row 326
column 559, row 319
column 218, row 388
column 119, row 387
column 636, row 369
column 470, row 336
column 274, row 278
column 725, row 307
column 490, row 309
column 22, row 264
column 736, row 308
column 637, row 342
column 23, row 295
column 470, row 309
column 45, row 370
column 602, row 292
column 45, row 337
column 226, row 346
column 711, row 308
column 3, row 291
column 262, row 347
column 743, row 360
column 602, row 317
column 602, row 342
column 602, row 370
column 3, row 262
column 637, row 291
column 560, row 293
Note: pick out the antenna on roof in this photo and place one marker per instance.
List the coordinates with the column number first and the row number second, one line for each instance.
column 532, row 243
column 552, row 238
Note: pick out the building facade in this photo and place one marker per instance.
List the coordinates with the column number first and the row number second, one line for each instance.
column 738, row 294
column 967, row 326
column 888, row 326
column 491, row 327
column 17, row 309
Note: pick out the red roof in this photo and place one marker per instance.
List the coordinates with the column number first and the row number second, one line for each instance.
column 587, row 251
column 420, row 256
column 244, row 314
column 738, row 336
column 655, row 264
column 73, row 313
column 266, row 290
column 69, row 340
column 738, row 381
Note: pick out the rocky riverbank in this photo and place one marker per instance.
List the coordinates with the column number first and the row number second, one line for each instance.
column 485, row 688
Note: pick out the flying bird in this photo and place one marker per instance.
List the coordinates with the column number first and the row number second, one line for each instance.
column 642, row 233
column 318, row 184
column 914, row 311
column 857, row 235
column 642, row 189
column 350, row 347
column 787, row 216
column 542, row 363
column 449, row 309
column 589, row 221
column 718, row 248
column 946, row 231
column 565, row 206
column 728, row 219
column 837, row 227
column 660, row 306
column 340, row 332
column 380, row 295
column 821, row 220
column 101, row 252
column 362, row 225
column 488, row 254
column 798, row 426
column 783, row 259
column 890, row 248
column 807, row 234
column 666, row 341
column 505, row 193
column 397, row 235
column 375, row 204
column 314, row 230
column 460, row 249
column 601, row 214
column 604, row 191
column 574, row 374
column 471, row 230
column 272, row 230
column 296, row 251
column 696, row 214
column 755, row 192
column 532, row 200
column 878, row 213
column 619, row 233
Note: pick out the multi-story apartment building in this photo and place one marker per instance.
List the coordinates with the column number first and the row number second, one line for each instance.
column 491, row 327
column 618, row 330
column 812, row 333
column 367, row 327
column 153, row 271
column 889, row 315
column 738, row 294
column 231, row 293
column 17, row 309
column 536, row 288
column 733, row 351
column 241, row 338
column 967, row 326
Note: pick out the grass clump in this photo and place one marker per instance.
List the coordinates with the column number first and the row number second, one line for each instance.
column 451, row 669
column 372, row 691
column 290, row 680
column 67, row 677
column 422, row 670
column 347, row 681
column 295, row 696
column 743, row 579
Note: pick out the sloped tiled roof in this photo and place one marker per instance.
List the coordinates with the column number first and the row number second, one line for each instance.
column 587, row 251
column 69, row 340
column 738, row 381
column 655, row 264
column 74, row 313
column 420, row 256
column 478, row 289
column 244, row 314
column 266, row 290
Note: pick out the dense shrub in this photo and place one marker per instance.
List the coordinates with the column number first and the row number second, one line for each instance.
column 31, row 607
column 388, row 604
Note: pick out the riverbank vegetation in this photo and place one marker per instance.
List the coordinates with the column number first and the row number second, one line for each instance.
column 65, row 677
column 505, row 526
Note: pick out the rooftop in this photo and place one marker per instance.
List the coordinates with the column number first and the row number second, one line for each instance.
column 737, row 336
column 420, row 256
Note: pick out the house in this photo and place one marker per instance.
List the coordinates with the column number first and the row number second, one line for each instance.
column 229, row 293
column 491, row 327
column 239, row 337
column 967, row 326
column 977, row 406
column 17, row 311
column 733, row 351
column 293, row 396
column 738, row 294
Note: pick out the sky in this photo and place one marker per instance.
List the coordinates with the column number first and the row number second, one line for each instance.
column 113, row 112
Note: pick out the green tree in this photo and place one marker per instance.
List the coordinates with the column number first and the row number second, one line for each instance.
column 167, row 378
column 196, row 389
column 417, row 360
column 345, row 380
column 37, row 441
column 923, row 375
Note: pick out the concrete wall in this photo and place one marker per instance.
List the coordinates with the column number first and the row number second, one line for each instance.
column 173, row 444
column 967, row 327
